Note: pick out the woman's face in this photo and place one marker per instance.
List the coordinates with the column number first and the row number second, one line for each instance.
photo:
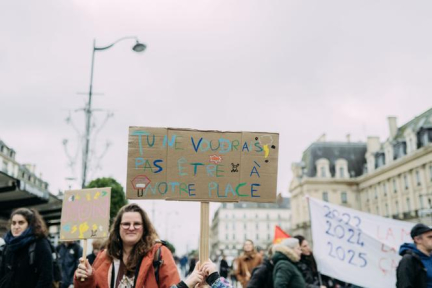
column 19, row 225
column 248, row 246
column 305, row 248
column 131, row 228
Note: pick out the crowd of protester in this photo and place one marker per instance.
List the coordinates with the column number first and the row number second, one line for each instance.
column 133, row 256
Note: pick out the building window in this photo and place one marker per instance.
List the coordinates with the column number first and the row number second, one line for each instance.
column 430, row 172
column 245, row 237
column 421, row 202
column 376, row 192
column 234, row 236
column 408, row 204
column 406, row 181
column 5, row 167
column 233, row 226
column 257, row 236
column 226, row 237
column 394, row 186
column 397, row 207
column 386, row 210
column 226, row 226
column 344, row 199
column 244, row 216
column 268, row 216
column 342, row 172
column 385, row 188
column 323, row 172
column 325, row 196
column 418, row 178
column 377, row 210
column 257, row 226
column 268, row 226
column 268, row 237
column 244, row 225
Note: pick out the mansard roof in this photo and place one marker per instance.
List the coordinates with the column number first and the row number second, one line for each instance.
column 353, row 152
column 424, row 120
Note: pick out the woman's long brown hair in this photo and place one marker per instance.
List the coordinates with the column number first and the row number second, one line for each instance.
column 141, row 248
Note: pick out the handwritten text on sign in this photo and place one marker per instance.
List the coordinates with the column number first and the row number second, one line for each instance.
column 165, row 163
column 356, row 247
column 85, row 214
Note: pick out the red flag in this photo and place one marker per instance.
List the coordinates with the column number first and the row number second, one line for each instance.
column 279, row 235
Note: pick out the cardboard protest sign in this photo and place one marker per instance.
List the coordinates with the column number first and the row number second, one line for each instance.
column 85, row 214
column 194, row 165
column 357, row 247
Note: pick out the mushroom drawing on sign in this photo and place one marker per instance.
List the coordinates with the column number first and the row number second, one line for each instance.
column 139, row 183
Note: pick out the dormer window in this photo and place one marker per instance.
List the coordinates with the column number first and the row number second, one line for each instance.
column 342, row 168
column 323, row 168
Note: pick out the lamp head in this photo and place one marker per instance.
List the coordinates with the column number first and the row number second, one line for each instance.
column 139, row 47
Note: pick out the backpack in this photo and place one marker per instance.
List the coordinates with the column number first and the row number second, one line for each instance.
column 56, row 267
column 262, row 276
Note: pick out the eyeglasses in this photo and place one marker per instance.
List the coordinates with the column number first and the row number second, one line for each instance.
column 127, row 225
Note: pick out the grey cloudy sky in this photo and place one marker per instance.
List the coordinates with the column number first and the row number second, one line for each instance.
column 300, row 68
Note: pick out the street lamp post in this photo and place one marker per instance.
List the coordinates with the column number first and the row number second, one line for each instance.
column 138, row 47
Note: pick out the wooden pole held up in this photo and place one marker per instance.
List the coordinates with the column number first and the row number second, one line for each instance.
column 204, row 233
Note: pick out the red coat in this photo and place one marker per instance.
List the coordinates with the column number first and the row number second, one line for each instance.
column 101, row 277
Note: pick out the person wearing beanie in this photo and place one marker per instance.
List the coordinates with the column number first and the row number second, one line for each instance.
column 285, row 272
column 247, row 262
column 415, row 267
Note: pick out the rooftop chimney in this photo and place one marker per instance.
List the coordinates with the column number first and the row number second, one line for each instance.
column 392, row 121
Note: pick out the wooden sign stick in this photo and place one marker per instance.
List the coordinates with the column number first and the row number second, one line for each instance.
column 204, row 233
column 84, row 254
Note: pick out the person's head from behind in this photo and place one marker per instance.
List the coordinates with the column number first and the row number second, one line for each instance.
column 304, row 245
column 131, row 229
column 293, row 244
column 422, row 237
column 97, row 245
column 248, row 246
column 23, row 218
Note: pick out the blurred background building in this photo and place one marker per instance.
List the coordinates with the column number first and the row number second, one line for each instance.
column 21, row 187
column 233, row 223
column 391, row 178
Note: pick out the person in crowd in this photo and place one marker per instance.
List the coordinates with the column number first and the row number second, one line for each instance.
column 27, row 259
column 262, row 275
column 97, row 245
column 415, row 267
column 192, row 263
column 207, row 272
column 223, row 267
column 69, row 253
column 131, row 250
column 247, row 262
column 183, row 264
column 307, row 265
column 285, row 272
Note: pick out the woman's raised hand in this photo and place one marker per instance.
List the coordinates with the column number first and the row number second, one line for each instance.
column 84, row 270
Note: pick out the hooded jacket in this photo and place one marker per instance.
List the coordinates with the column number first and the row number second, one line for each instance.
column 414, row 269
column 285, row 272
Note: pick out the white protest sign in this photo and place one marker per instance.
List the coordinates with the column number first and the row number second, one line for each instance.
column 356, row 247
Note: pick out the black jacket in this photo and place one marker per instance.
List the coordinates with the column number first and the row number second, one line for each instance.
column 68, row 260
column 224, row 268
column 308, row 272
column 411, row 272
column 262, row 275
column 16, row 271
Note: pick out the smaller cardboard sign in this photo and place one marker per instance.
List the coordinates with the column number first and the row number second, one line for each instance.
column 85, row 214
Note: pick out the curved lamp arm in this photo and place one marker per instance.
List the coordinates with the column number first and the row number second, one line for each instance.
column 139, row 47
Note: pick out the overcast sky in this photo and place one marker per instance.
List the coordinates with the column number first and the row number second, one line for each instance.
column 299, row 68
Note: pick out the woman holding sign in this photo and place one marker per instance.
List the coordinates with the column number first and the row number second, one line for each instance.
column 27, row 259
column 133, row 257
